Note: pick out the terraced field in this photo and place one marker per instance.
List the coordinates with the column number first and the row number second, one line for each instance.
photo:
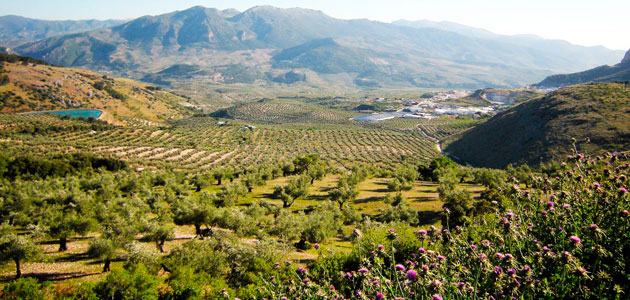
column 284, row 111
column 199, row 143
column 442, row 128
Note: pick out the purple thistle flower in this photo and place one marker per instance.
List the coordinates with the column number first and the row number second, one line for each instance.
column 437, row 297
column 400, row 267
column 500, row 255
column 497, row 270
column 380, row 247
column 511, row 272
column 348, row 275
column 623, row 190
column 550, row 204
column 316, row 246
column 575, row 239
column 510, row 215
column 301, row 270
column 363, row 270
column 306, row 280
column 379, row 296
column 544, row 212
column 440, row 257
column 596, row 184
column 473, row 246
column 412, row 275
column 594, row 227
column 566, row 206
column 422, row 250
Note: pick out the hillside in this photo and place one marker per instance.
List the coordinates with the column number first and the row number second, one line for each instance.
column 260, row 40
column 30, row 85
column 16, row 30
column 283, row 111
column 500, row 96
column 618, row 72
column 541, row 129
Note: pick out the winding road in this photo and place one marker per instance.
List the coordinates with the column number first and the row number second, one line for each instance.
column 436, row 141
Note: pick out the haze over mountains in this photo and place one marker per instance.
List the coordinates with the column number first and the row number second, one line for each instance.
column 16, row 30
column 267, row 44
column 606, row 73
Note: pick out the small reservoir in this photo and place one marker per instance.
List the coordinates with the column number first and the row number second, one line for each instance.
column 75, row 113
column 378, row 117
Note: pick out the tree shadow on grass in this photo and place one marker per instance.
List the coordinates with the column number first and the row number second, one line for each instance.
column 385, row 190
column 368, row 200
column 428, row 217
column 422, row 199
column 45, row 276
column 73, row 257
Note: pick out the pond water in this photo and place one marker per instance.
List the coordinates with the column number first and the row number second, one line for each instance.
column 75, row 113
column 378, row 117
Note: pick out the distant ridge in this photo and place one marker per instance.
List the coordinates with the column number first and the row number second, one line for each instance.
column 618, row 72
column 16, row 30
column 229, row 46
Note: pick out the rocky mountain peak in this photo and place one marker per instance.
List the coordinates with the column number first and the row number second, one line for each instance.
column 626, row 59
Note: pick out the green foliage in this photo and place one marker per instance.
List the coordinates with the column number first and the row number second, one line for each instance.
column 229, row 194
column 18, row 249
column 24, row 289
column 123, row 284
column 288, row 227
column 65, row 222
column 201, row 256
column 322, row 223
column 26, row 166
column 193, row 211
column 296, row 189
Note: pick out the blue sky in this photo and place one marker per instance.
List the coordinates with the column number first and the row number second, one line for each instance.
column 583, row 22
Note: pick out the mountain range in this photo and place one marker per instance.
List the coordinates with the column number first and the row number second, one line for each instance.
column 267, row 44
column 606, row 73
column 16, row 30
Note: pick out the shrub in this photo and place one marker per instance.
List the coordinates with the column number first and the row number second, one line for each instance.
column 24, row 288
column 133, row 283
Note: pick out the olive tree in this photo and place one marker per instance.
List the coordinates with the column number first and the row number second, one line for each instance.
column 159, row 233
column 296, row 189
column 18, row 249
column 63, row 223
column 192, row 211
column 344, row 192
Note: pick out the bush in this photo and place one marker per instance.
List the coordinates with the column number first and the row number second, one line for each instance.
column 133, row 283
column 24, row 288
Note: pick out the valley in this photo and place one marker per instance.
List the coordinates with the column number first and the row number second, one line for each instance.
column 281, row 153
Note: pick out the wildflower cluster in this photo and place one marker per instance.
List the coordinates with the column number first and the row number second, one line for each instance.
column 565, row 236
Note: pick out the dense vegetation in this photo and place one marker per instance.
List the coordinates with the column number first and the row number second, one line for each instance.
column 539, row 130
column 551, row 233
